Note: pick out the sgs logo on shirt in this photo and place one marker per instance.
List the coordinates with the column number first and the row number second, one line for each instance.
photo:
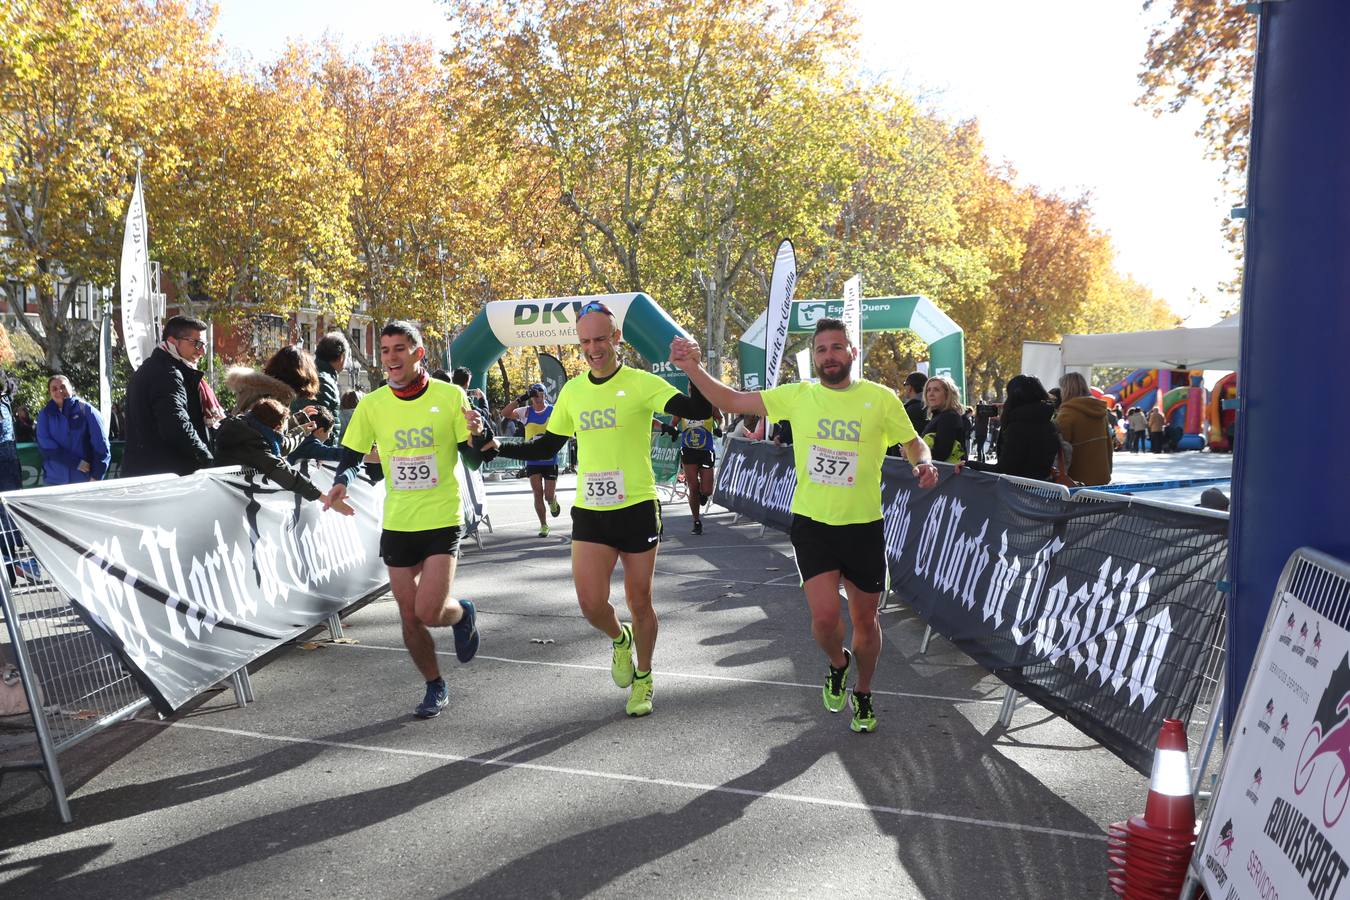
column 407, row 438
column 839, row 429
column 598, row 418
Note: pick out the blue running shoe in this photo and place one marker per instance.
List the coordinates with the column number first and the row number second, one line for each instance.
column 438, row 695
column 466, row 633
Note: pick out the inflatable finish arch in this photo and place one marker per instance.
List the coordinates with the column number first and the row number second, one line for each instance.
column 945, row 339
column 532, row 323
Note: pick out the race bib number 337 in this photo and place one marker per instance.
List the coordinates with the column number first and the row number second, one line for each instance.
column 835, row 468
column 604, row 488
column 414, row 473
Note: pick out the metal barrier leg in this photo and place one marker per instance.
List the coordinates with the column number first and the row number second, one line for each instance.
column 487, row 520
column 1005, row 712
column 335, row 627
column 762, row 529
column 243, row 687
column 927, row 636
column 29, row 677
column 1207, row 742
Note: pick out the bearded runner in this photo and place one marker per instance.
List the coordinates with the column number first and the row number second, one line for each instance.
column 615, row 515
column 421, row 426
column 842, row 428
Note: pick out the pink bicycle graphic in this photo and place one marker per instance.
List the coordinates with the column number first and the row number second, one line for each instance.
column 1335, row 743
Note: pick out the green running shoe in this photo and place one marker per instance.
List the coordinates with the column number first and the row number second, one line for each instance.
column 833, row 693
column 864, row 719
column 640, row 701
column 543, row 531
column 554, row 508
column 621, row 669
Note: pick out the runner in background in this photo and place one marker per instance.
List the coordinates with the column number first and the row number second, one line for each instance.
column 421, row 426
column 842, row 429
column 532, row 411
column 698, row 456
column 615, row 516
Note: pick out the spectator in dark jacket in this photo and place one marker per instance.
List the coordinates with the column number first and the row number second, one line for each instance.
column 71, row 435
column 1028, row 442
column 166, row 428
column 945, row 433
column 912, row 395
column 258, row 440
column 330, row 358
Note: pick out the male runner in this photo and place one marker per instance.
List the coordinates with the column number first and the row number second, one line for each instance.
column 697, row 455
column 842, row 429
column 533, row 413
column 615, row 515
column 420, row 426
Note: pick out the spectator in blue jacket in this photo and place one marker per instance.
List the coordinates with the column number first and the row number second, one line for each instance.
column 71, row 435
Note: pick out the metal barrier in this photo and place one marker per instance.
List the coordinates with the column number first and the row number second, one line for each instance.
column 74, row 686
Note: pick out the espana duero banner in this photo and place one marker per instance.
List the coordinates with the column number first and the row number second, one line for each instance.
column 1104, row 613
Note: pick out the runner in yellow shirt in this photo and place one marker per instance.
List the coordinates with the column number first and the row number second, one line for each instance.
column 421, row 426
column 841, row 429
column 615, row 515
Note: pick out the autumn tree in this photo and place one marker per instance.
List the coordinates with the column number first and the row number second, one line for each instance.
column 253, row 219
column 1205, row 53
column 84, row 89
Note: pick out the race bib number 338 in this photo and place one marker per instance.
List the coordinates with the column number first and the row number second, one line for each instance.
column 604, row 488
column 835, row 468
column 414, row 473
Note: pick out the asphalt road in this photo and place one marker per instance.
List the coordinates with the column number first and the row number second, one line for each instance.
column 535, row 784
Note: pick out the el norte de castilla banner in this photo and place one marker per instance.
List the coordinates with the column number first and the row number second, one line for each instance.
column 188, row 579
column 1104, row 613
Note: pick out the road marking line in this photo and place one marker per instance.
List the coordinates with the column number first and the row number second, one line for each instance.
column 665, row 674
column 637, row 779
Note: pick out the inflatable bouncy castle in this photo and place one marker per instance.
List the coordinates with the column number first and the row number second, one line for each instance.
column 1222, row 421
column 1179, row 393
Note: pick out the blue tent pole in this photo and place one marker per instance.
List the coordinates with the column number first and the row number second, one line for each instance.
column 1290, row 486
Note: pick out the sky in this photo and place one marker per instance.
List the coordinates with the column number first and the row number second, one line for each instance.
column 1052, row 83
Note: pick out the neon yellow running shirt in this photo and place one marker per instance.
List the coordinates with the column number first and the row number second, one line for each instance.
column 839, row 439
column 419, row 450
column 613, row 425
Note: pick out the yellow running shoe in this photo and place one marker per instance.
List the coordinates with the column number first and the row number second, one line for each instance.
column 864, row 718
column 621, row 668
column 640, row 701
column 833, row 693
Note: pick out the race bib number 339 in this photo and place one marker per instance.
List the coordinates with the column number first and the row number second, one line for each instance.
column 604, row 488
column 414, row 473
column 835, row 468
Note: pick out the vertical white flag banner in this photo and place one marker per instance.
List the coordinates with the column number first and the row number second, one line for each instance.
column 853, row 321
column 105, row 366
column 138, row 316
column 804, row 370
column 781, row 287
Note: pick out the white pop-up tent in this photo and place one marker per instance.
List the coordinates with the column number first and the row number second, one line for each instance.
column 1215, row 347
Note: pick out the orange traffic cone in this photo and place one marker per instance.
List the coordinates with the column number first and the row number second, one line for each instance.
column 1150, row 852
column 1171, row 804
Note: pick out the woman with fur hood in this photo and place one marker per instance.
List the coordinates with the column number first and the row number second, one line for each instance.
column 1083, row 422
column 289, row 377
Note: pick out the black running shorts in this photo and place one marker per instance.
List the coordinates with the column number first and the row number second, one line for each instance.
column 550, row 473
column 701, row 457
column 856, row 551
column 629, row 529
column 405, row 549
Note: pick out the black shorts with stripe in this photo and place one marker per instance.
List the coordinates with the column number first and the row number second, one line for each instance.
column 858, row 552
column 697, row 456
column 405, row 549
column 628, row 529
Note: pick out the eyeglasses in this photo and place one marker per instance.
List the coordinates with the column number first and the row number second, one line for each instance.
column 595, row 306
column 200, row 345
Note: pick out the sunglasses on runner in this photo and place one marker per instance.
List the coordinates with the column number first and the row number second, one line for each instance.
column 595, row 306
